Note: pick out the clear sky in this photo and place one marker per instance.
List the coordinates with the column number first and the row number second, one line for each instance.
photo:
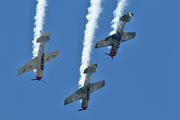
column 142, row 82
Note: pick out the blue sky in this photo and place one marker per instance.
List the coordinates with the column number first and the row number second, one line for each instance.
column 142, row 83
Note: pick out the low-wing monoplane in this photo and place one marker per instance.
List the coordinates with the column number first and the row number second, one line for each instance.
column 88, row 88
column 116, row 39
column 38, row 62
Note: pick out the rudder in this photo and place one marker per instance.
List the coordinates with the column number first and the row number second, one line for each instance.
column 91, row 69
column 45, row 37
column 128, row 17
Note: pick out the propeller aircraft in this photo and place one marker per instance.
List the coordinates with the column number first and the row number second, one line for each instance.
column 116, row 39
column 88, row 88
column 38, row 62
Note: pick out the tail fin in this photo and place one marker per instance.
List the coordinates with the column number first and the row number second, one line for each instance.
column 128, row 17
column 44, row 38
column 91, row 69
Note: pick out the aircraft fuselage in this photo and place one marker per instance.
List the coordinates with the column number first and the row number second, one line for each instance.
column 87, row 91
column 39, row 72
column 116, row 45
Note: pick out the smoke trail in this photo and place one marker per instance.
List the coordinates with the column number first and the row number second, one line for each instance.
column 93, row 13
column 39, row 20
column 117, row 14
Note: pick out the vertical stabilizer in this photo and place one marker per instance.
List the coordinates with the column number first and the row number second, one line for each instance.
column 128, row 17
column 91, row 69
column 45, row 37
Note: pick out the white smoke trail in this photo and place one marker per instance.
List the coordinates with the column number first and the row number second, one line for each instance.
column 39, row 20
column 117, row 14
column 93, row 14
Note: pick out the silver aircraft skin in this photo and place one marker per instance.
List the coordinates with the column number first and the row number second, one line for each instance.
column 38, row 62
column 88, row 88
column 116, row 39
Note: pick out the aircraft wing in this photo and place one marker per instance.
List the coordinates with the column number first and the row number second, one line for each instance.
column 96, row 86
column 128, row 35
column 79, row 94
column 31, row 65
column 106, row 42
column 51, row 56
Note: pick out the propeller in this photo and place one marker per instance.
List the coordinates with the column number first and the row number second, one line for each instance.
column 80, row 109
column 109, row 55
column 83, row 109
column 42, row 80
column 37, row 79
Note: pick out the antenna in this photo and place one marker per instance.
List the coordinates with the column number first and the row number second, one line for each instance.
column 124, row 11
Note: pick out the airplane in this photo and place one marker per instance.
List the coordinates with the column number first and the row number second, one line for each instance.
column 38, row 62
column 116, row 39
column 88, row 88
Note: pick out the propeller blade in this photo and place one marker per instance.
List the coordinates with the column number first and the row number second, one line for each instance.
column 107, row 54
column 80, row 109
column 89, row 109
column 42, row 80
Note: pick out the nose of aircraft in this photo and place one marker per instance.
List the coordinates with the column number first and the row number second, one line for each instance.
column 111, row 54
column 84, row 108
column 39, row 78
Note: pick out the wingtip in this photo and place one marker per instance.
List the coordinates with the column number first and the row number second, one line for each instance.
column 96, row 46
column 18, row 73
column 65, row 102
column 58, row 53
column 103, row 83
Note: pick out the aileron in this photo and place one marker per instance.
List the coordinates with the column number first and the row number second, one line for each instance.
column 31, row 65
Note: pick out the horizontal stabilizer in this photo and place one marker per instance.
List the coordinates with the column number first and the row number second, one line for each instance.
column 45, row 37
column 31, row 65
column 128, row 35
column 79, row 94
column 96, row 86
column 51, row 56
column 91, row 69
column 106, row 42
